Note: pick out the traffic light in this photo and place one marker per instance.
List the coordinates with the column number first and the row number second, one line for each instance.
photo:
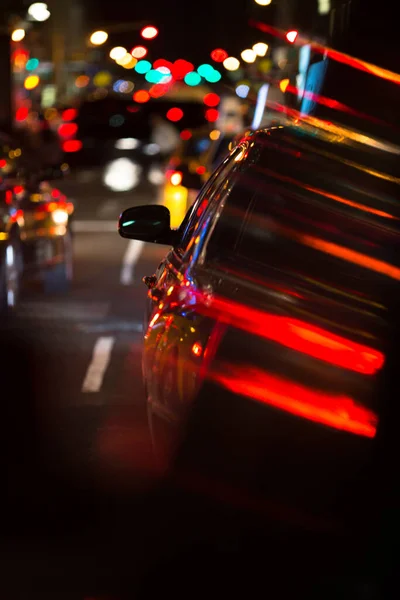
column 291, row 36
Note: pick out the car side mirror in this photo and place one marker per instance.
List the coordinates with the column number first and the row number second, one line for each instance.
column 149, row 223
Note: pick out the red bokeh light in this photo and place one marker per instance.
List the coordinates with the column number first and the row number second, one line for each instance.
column 162, row 62
column 55, row 193
column 69, row 114
column 149, row 32
column 67, row 130
column 3, row 163
column 21, row 114
column 186, row 134
column 174, row 114
column 132, row 109
column 141, row 96
column 200, row 170
column 180, row 68
column 211, row 99
column 159, row 89
column 219, row 55
column 9, row 197
column 72, row 146
column 212, row 115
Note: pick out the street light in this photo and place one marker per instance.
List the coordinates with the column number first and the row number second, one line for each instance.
column 98, row 38
column 18, row 35
column 38, row 11
column 263, row 2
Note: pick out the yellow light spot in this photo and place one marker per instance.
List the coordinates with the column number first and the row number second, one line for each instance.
column 283, row 85
column 31, row 82
column 215, row 134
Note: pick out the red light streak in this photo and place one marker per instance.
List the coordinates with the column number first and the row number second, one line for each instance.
column 341, row 57
column 339, row 412
column 299, row 336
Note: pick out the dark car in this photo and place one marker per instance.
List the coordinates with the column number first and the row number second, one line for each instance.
column 269, row 318
column 35, row 227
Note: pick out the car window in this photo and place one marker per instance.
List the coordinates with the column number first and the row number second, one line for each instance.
column 229, row 209
column 194, row 214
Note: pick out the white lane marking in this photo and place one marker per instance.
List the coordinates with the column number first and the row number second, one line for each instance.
column 95, row 226
column 131, row 257
column 98, row 365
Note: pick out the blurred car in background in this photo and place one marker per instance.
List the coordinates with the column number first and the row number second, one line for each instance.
column 35, row 227
column 199, row 154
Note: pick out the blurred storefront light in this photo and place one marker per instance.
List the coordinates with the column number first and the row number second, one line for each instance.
column 231, row 63
column 248, row 55
column 18, row 35
column 260, row 48
column 98, row 38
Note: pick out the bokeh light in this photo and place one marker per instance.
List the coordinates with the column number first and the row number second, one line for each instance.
column 248, row 55
column 18, row 35
column 21, row 114
column 211, row 115
column 67, row 130
column 117, row 52
column 98, row 37
column 72, row 145
column 263, row 2
column 82, row 81
column 38, row 11
column 211, row 99
column 242, row 90
column 139, row 52
column 69, row 114
column 231, row 63
column 102, row 78
column 219, row 55
column 32, row 64
column 158, row 90
column 205, row 70
column 141, row 96
column 185, row 134
column 174, row 114
column 192, row 78
column 215, row 134
column 283, row 85
column 214, row 76
column 149, row 32
column 260, row 48
column 142, row 67
column 31, row 82
column 181, row 68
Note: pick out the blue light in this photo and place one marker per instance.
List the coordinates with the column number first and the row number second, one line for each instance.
column 242, row 90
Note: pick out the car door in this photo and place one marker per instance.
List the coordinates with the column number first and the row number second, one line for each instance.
column 171, row 336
